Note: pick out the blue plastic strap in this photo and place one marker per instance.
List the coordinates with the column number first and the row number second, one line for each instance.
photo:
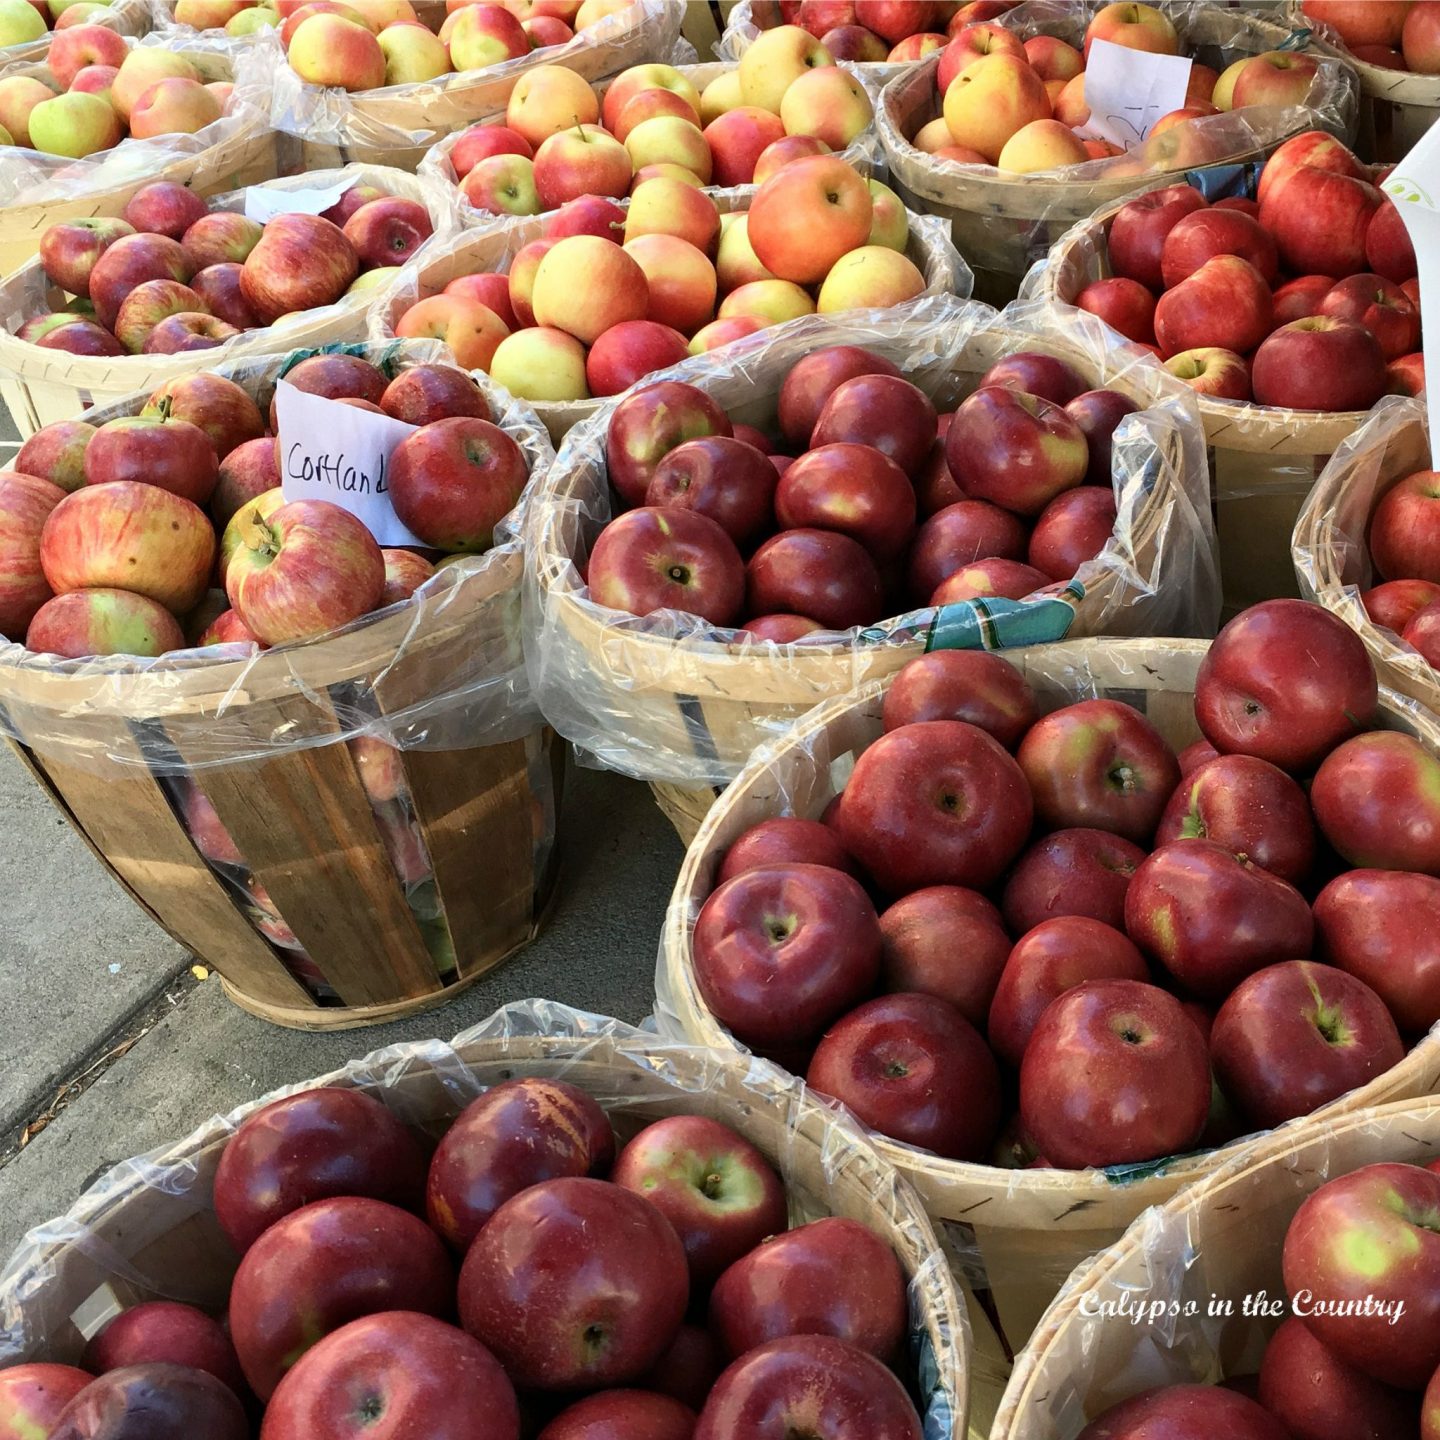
column 1220, row 182
column 1005, row 624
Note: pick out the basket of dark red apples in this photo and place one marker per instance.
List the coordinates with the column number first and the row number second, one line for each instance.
column 106, row 113
column 1394, row 48
column 559, row 1227
column 703, row 120
column 26, row 25
column 567, row 309
column 295, row 748
column 176, row 284
column 1081, row 916
column 384, row 87
column 995, row 134
column 940, row 478
column 1290, row 320
column 873, row 33
column 1363, row 545
column 1291, row 1296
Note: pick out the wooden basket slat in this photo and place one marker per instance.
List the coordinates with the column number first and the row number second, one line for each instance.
column 1070, row 1213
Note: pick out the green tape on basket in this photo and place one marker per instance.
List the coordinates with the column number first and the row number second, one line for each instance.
column 1005, row 624
column 1295, row 40
column 1221, row 182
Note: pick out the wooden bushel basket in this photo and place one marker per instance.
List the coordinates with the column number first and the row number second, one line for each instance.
column 1218, row 1241
column 40, row 386
column 148, row 1229
column 125, row 17
column 396, row 125
column 1263, row 459
column 380, row 902
column 492, row 247
column 245, row 156
column 1031, row 1227
column 1331, row 552
column 1004, row 222
column 697, row 705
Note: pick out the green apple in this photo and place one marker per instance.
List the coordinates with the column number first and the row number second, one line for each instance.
column 253, row 20
column 75, row 125
column 20, row 22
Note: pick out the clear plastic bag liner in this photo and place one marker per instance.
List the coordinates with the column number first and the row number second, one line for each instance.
column 491, row 245
column 1331, row 549
column 147, row 1229
column 864, row 152
column 669, row 697
column 30, row 177
column 1193, row 1291
column 1020, row 1230
column 400, row 116
column 229, row 704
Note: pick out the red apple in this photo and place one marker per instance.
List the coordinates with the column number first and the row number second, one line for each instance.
column 1223, row 304
column 1072, row 872
column 1045, row 963
column 1218, row 373
column 130, row 261
column 424, row 394
column 785, row 840
column 1391, row 605
column 915, row 1069
column 1300, row 297
column 1295, row 1036
column 587, row 215
column 1377, row 801
column 818, row 573
column 517, row 1134
column 1381, row 307
column 156, row 1402
column 623, row 1415
column 337, row 377
column 688, row 1369
column 1186, row 1412
column 388, row 231
column 1406, row 376
column 1207, row 233
column 575, row 1284
column 989, row 579
column 1139, row 229
column 219, row 407
column 626, row 353
column 891, row 415
column 812, row 380
column 316, row 1145
column 811, row 1384
column 33, row 1396
column 220, row 237
column 970, row 685
column 56, row 452
column 162, row 1332
column 1388, row 250
column 853, row 489
column 1249, row 806
column 185, row 331
column 1401, row 543
column 939, row 803
column 70, row 248
column 164, row 207
column 1035, row 373
column 1211, row 919
column 1124, row 305
column 1099, row 764
column 301, row 262
column 667, row 559
column 1285, row 681
column 250, row 469
column 647, row 425
column 170, row 454
column 1015, row 449
column 219, row 287
column 26, row 502
column 1071, row 531
column 398, row 1372
column 103, row 622
column 960, row 535
column 321, row 1267
column 946, row 942
column 711, row 1184
column 1115, row 1073
column 725, row 479
column 782, row 950
column 1318, row 220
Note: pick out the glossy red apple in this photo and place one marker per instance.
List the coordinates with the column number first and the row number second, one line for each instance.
column 957, row 536
column 623, row 1415
column 668, row 559
column 781, row 951
column 808, row 1385
column 1036, row 373
column 852, row 489
column 1377, row 801
column 1098, row 414
column 1125, row 305
column 946, row 942
column 1405, row 534
column 647, row 425
column 720, row 477
column 717, row 1190
column 1391, row 605
column 1139, row 229
column 171, row 454
column 424, row 394
column 517, row 1134
column 821, row 574
column 1115, row 1073
column 250, row 469
column 1285, row 681
column 1071, row 531
column 153, row 1402
column 1211, row 232
column 1099, row 764
column 915, row 1069
column 575, row 1284
column 1056, row 956
column 56, row 452
column 165, row 1333
column 990, row 579
column 939, row 803
column 1015, row 449
column 1319, row 363
column 891, row 415
column 785, row 840
column 1249, row 806
column 812, row 380
column 1295, row 1036
column 1080, row 871
column 1211, row 919
column 26, row 502
column 1297, row 298
column 316, row 1145
column 970, row 685
column 454, row 480
column 32, row 1397
column 1186, row 1412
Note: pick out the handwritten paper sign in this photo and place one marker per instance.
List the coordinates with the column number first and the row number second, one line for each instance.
column 1129, row 90
column 1414, row 185
column 264, row 203
column 340, row 453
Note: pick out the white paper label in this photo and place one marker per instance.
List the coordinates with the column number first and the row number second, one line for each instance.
column 340, row 453
column 264, row 203
column 1414, row 185
column 1129, row 90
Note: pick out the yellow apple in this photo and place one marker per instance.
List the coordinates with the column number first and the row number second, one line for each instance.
column 142, row 68
column 669, row 140
column 871, row 278
column 889, row 224
column 540, row 363
column 721, row 94
column 830, row 104
column 777, row 59
column 736, row 263
column 412, row 54
column 547, row 100
column 990, row 100
column 771, row 301
column 1041, row 145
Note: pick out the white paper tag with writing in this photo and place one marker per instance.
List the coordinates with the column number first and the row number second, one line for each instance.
column 1414, row 185
column 1129, row 90
column 340, row 453
column 264, row 203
